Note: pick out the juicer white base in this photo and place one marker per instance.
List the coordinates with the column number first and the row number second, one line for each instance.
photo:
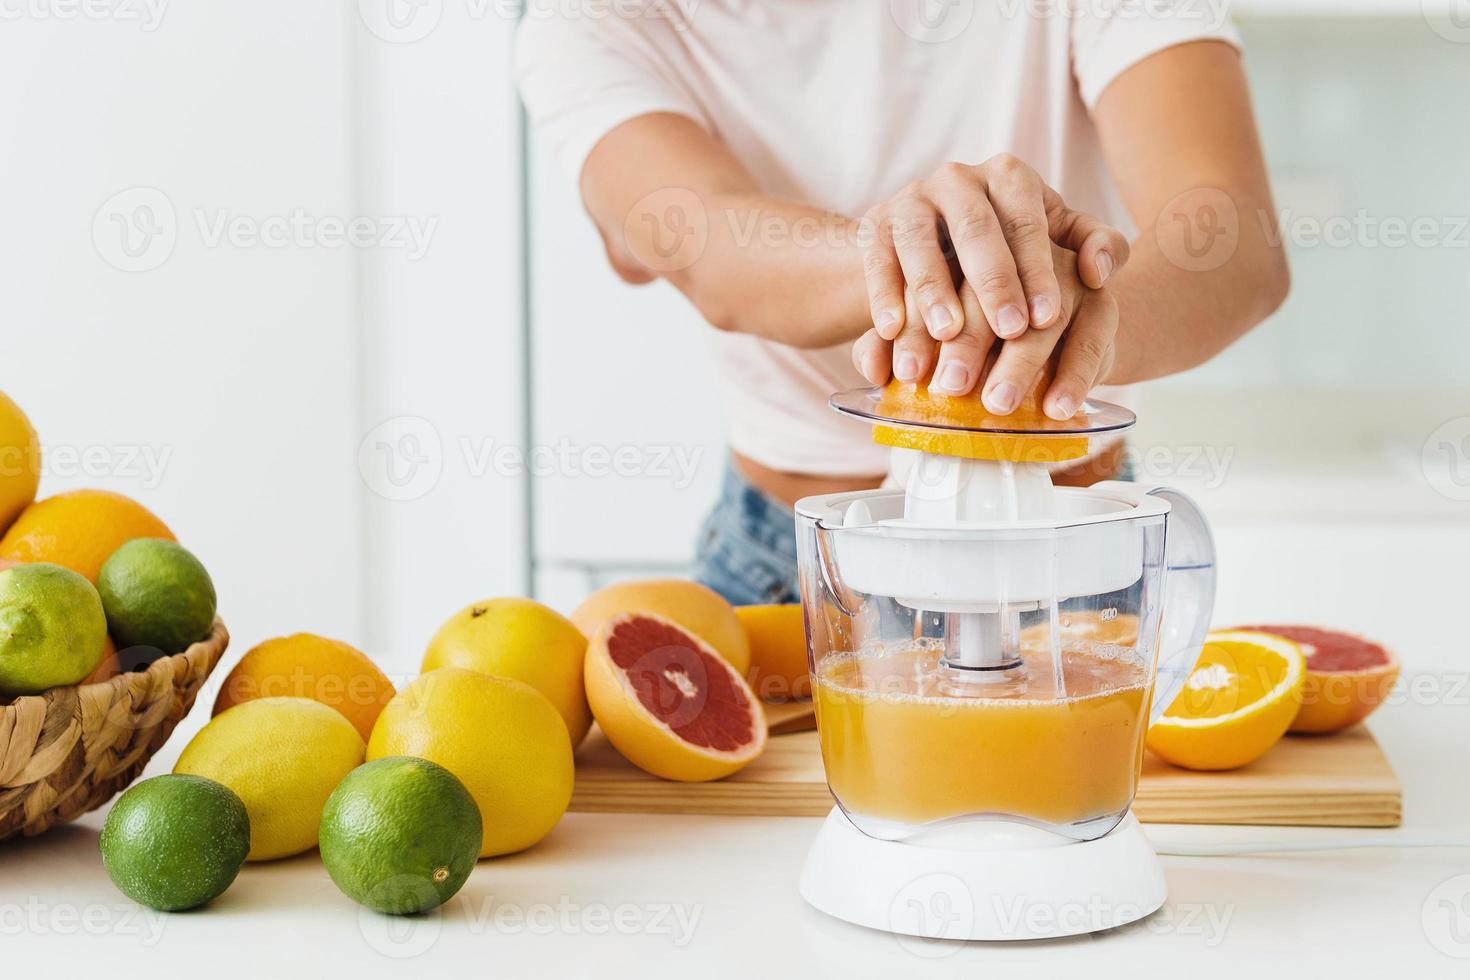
column 992, row 883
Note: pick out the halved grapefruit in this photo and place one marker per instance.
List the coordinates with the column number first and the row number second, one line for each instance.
column 697, row 608
column 668, row 702
column 1348, row 677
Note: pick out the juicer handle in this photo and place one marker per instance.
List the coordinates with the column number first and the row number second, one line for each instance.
column 1189, row 590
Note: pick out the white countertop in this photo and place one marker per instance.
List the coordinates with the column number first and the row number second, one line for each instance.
column 611, row 896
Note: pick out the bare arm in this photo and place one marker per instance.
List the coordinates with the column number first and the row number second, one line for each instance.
column 671, row 201
column 1181, row 142
column 1207, row 265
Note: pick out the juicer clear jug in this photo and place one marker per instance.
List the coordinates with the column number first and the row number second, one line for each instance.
column 998, row 671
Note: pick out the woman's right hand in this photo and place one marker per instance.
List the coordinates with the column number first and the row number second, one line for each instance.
column 965, row 258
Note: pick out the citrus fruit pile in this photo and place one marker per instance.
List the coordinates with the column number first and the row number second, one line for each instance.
column 321, row 749
column 402, row 791
column 78, row 566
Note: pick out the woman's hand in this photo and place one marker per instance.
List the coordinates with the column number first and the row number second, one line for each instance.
column 966, row 257
column 1084, row 329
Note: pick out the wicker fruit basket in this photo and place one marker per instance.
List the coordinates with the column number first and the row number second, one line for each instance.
column 69, row 750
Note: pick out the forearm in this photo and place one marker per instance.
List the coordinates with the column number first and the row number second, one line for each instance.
column 1208, row 264
column 672, row 202
column 1172, row 318
column 779, row 270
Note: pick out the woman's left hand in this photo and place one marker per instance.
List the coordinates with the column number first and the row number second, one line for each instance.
column 1084, row 331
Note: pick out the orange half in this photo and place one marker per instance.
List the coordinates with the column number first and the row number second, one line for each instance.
column 1237, row 702
column 914, row 402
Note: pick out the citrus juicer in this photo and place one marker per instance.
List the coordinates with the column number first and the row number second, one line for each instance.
column 986, row 652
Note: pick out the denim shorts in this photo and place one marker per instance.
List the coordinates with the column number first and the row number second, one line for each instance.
column 747, row 546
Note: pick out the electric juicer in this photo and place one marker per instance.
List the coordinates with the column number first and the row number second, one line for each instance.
column 986, row 653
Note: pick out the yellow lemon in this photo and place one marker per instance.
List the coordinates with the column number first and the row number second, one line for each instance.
column 282, row 757
column 502, row 738
column 525, row 641
column 20, row 462
column 1237, row 702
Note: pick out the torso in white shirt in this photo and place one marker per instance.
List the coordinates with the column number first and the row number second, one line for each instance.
column 839, row 104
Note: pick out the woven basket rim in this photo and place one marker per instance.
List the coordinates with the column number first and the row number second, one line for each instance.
column 211, row 648
column 61, row 753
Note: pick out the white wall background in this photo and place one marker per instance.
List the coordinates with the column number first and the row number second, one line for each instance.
column 236, row 362
column 442, row 373
column 259, row 371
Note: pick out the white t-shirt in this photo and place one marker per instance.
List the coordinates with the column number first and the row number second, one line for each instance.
column 839, row 104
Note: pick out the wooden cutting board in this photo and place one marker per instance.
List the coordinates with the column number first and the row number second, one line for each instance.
column 1342, row 780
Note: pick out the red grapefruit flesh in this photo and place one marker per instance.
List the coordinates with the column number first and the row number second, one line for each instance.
column 1348, row 677
column 668, row 702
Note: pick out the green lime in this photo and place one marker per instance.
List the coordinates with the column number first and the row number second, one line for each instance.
column 400, row 835
column 156, row 595
column 52, row 628
column 175, row 842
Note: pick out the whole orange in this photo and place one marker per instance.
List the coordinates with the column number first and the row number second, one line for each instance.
column 305, row 665
column 80, row 530
column 778, row 668
column 107, row 668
